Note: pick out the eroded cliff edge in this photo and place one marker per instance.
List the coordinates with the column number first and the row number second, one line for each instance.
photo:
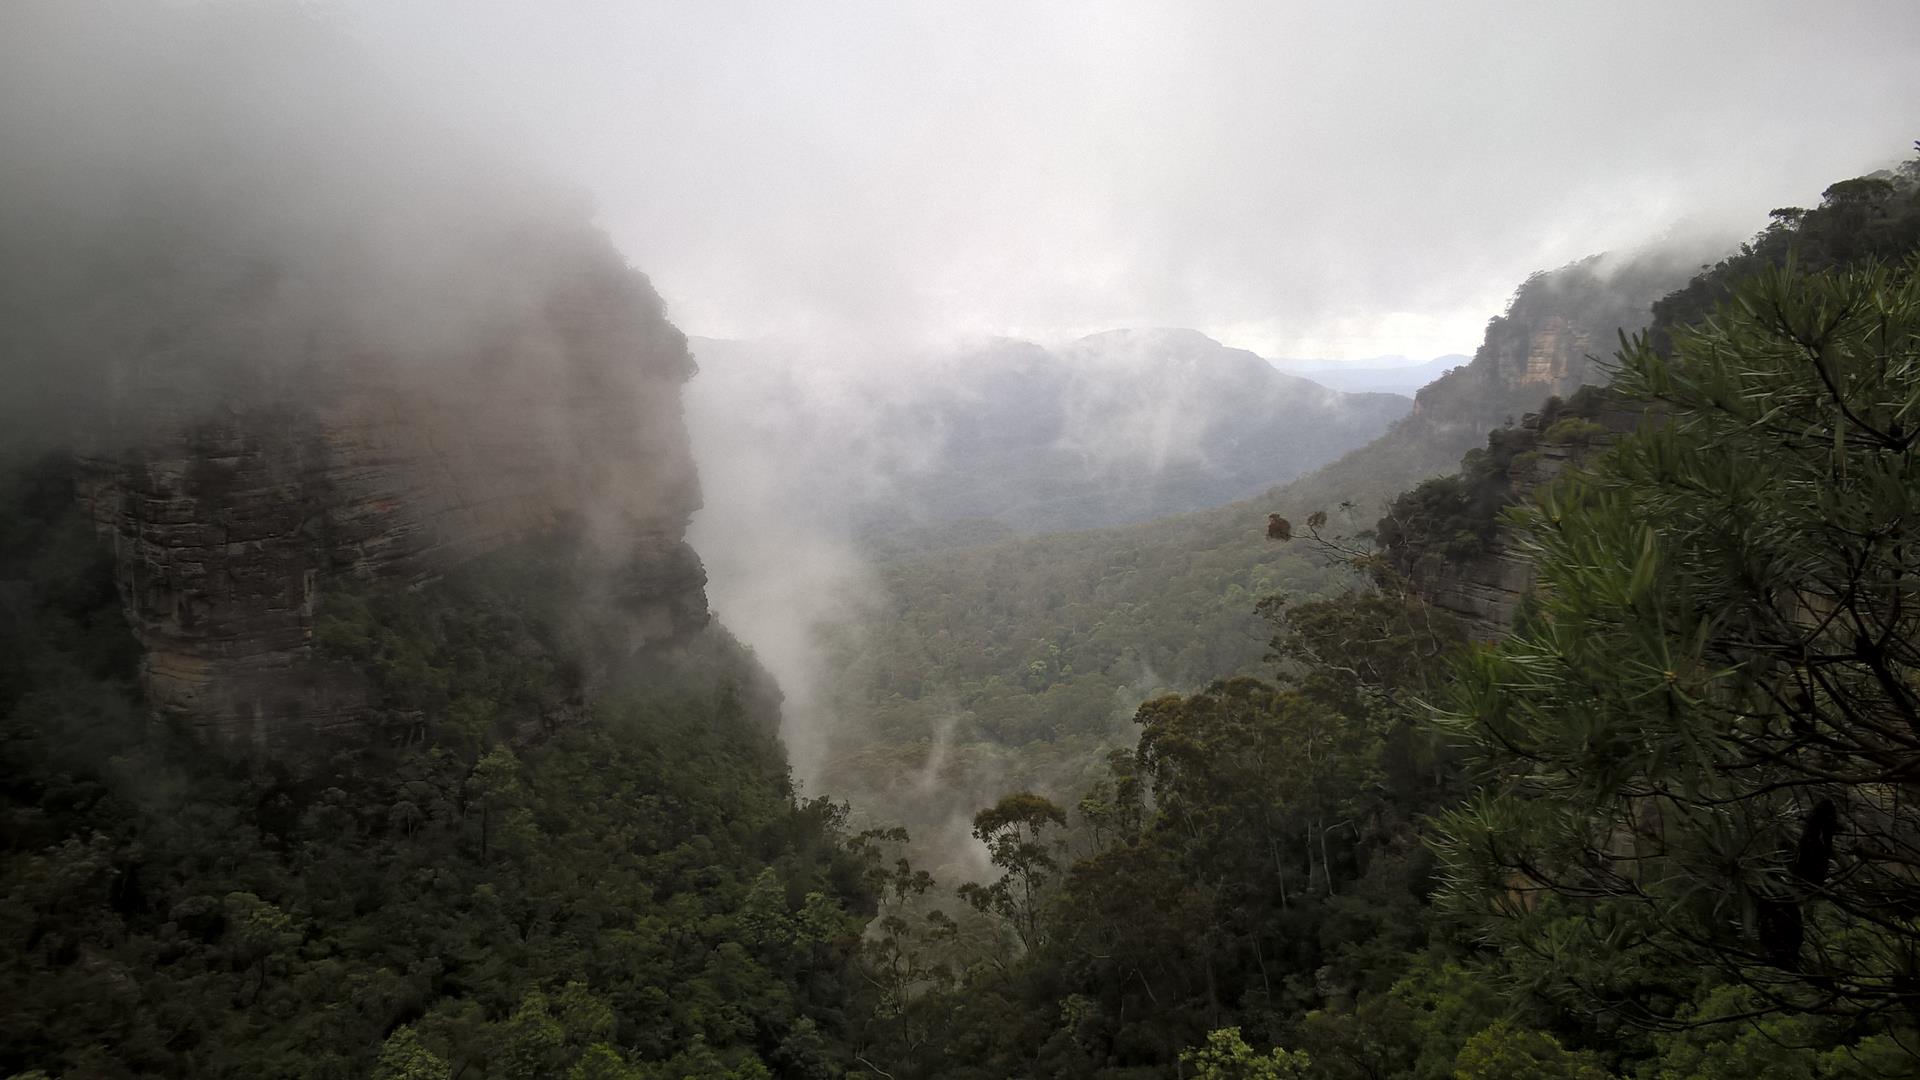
column 236, row 491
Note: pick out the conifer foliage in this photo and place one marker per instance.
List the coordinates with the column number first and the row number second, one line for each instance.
column 1702, row 751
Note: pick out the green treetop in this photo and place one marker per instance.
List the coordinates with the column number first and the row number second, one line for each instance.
column 1707, row 742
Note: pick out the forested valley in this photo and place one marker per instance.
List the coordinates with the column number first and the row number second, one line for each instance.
column 363, row 711
column 1657, row 828
column 1408, row 839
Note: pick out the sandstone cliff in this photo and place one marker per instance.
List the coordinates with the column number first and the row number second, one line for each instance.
column 1487, row 589
column 1448, row 536
column 1549, row 340
column 1546, row 343
column 235, row 492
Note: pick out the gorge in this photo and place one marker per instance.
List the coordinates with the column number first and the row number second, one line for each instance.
column 959, row 659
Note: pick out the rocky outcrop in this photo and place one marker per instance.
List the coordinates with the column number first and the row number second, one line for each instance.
column 1556, row 356
column 236, row 494
column 1487, row 589
column 1486, row 592
column 1551, row 341
column 1547, row 342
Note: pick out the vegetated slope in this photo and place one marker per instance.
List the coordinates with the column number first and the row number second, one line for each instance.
column 1005, row 663
column 360, row 714
column 448, row 897
column 1252, row 888
column 1006, row 437
column 1556, row 329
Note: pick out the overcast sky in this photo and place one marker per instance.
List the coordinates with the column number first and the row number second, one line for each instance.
column 1310, row 180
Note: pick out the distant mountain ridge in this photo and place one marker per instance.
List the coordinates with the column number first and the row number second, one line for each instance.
column 1005, row 437
column 1375, row 375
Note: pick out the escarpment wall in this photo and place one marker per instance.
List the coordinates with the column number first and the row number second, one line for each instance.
column 1487, row 590
column 1555, row 355
column 1552, row 340
column 1547, row 342
column 235, row 492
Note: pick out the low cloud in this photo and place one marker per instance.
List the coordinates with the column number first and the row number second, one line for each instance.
column 1301, row 179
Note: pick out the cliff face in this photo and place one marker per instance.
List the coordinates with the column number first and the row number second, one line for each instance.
column 234, row 495
column 1555, row 357
column 1485, row 591
column 1448, row 537
column 1546, row 343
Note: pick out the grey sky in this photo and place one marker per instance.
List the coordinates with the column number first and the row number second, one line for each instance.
column 1336, row 180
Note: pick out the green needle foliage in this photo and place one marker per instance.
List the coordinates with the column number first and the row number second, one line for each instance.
column 1703, row 753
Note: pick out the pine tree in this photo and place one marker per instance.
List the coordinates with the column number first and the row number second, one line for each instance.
column 1703, row 750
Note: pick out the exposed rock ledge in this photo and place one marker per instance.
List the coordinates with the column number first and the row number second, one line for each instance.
column 234, row 497
column 1487, row 591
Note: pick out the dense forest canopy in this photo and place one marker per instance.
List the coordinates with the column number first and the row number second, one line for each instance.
column 638, row 885
column 361, row 726
column 1659, row 831
column 1721, row 891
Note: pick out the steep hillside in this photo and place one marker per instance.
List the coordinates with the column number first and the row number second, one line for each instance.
column 360, row 713
column 1555, row 330
column 1447, row 535
column 234, row 498
column 1006, row 437
column 1257, row 869
column 1648, row 835
column 349, row 347
column 498, row 871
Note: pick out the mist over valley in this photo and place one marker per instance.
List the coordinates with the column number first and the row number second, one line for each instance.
column 855, row 542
